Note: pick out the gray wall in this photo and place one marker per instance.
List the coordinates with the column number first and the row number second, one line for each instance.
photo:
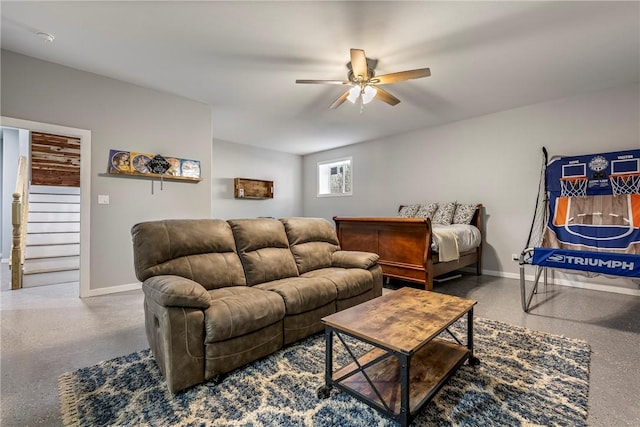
column 2, row 196
column 13, row 144
column 10, row 158
column 494, row 160
column 231, row 160
column 123, row 116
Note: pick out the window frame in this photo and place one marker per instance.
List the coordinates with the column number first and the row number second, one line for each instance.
column 326, row 163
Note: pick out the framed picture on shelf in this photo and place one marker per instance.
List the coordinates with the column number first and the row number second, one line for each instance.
column 119, row 160
column 139, row 162
column 174, row 170
column 190, row 168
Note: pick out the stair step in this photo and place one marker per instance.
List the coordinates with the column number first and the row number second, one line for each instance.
column 54, row 207
column 51, row 251
column 52, row 238
column 50, row 189
column 41, row 265
column 51, row 278
column 53, row 216
column 54, row 198
column 53, row 227
column 52, row 254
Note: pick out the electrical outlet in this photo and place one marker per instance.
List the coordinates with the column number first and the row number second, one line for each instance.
column 515, row 257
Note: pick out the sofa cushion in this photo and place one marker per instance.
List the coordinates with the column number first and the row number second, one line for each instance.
column 239, row 310
column 408, row 211
column 464, row 213
column 200, row 250
column 444, row 214
column 427, row 210
column 263, row 248
column 349, row 282
column 312, row 242
column 302, row 294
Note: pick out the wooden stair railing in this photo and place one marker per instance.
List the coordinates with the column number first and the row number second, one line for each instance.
column 19, row 212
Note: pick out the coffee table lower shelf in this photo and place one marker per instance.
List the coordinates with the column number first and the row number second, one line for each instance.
column 429, row 369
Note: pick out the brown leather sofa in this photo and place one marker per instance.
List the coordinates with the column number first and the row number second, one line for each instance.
column 220, row 294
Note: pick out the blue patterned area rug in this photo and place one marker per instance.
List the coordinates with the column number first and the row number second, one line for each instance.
column 524, row 378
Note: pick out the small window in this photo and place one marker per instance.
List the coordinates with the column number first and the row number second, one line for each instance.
column 335, row 178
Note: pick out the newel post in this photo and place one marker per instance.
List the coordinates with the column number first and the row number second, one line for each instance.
column 16, row 247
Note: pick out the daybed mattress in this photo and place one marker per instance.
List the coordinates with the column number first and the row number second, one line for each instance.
column 468, row 236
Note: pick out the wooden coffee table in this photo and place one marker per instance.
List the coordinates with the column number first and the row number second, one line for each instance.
column 408, row 364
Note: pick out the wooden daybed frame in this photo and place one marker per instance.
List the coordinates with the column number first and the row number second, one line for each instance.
column 404, row 246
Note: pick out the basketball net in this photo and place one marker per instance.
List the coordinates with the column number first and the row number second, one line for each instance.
column 625, row 183
column 573, row 187
column 540, row 216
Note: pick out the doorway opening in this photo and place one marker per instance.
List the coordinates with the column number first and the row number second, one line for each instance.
column 83, row 214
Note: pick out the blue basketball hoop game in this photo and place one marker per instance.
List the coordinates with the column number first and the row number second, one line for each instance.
column 587, row 217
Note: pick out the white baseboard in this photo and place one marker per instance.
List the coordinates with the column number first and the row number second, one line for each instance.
column 578, row 282
column 572, row 283
column 112, row 290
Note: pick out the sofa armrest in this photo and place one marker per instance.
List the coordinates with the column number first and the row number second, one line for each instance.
column 354, row 259
column 176, row 291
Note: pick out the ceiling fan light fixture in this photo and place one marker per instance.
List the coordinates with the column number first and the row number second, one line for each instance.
column 354, row 93
column 368, row 94
column 364, row 84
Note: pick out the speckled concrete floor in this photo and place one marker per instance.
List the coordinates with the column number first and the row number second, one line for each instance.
column 47, row 331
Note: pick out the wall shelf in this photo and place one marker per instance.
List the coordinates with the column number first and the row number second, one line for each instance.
column 245, row 188
column 155, row 176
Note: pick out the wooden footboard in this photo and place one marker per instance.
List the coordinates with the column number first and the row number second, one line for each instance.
column 404, row 246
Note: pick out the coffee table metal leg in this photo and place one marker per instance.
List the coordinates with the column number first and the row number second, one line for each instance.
column 405, row 363
column 325, row 390
column 473, row 361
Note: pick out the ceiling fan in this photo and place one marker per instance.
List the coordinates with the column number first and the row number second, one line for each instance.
column 365, row 84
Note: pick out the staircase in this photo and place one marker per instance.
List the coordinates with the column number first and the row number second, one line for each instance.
column 52, row 252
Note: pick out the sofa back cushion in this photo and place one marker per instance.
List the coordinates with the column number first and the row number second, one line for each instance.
column 202, row 250
column 312, row 242
column 264, row 250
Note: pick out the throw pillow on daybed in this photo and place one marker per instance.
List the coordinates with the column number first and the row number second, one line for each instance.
column 444, row 214
column 408, row 211
column 464, row 214
column 427, row 210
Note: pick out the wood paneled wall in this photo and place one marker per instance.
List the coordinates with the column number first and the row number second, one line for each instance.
column 55, row 160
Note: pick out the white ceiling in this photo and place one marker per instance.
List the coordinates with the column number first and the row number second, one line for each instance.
column 243, row 58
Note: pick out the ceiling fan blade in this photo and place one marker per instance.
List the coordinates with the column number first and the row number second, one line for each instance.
column 385, row 96
column 359, row 63
column 401, row 76
column 325, row 82
column 338, row 102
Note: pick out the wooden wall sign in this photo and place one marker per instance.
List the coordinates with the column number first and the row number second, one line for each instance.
column 55, row 160
column 245, row 188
